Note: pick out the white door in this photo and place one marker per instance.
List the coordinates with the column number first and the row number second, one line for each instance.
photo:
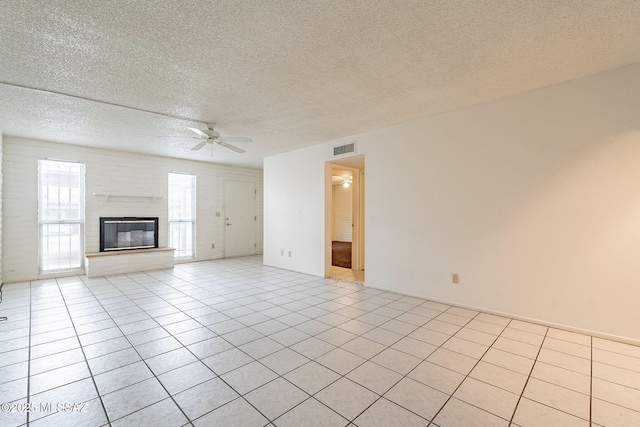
column 240, row 212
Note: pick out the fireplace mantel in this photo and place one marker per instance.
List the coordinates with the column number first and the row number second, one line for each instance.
column 129, row 196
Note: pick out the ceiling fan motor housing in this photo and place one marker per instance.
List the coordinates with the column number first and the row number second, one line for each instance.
column 212, row 132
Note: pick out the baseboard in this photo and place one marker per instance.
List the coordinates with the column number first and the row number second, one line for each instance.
column 292, row 270
column 569, row 328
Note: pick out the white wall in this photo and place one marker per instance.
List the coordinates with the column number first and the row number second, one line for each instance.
column 116, row 173
column 342, row 219
column 1, row 178
column 534, row 200
column 294, row 211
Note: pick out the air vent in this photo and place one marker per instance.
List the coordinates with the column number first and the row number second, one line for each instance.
column 344, row 149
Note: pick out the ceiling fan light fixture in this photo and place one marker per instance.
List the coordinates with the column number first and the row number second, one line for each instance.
column 210, row 135
column 346, row 181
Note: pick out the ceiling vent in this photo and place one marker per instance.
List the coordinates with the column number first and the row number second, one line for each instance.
column 344, row 149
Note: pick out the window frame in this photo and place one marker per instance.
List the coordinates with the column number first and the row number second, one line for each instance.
column 182, row 253
column 75, row 263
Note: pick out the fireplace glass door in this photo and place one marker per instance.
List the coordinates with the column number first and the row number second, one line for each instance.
column 128, row 233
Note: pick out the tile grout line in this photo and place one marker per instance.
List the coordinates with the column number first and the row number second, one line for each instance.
column 29, row 355
column 183, row 346
column 127, row 298
column 241, row 396
column 361, row 335
column 366, row 360
column 239, row 287
column 142, row 359
column 256, row 360
column 86, row 361
column 558, row 385
column 294, row 327
column 432, row 421
column 438, row 348
column 407, row 374
column 388, row 346
column 515, row 409
column 341, row 376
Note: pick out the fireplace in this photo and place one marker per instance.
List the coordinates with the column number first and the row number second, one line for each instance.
column 125, row 233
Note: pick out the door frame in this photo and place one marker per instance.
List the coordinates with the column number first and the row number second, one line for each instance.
column 357, row 215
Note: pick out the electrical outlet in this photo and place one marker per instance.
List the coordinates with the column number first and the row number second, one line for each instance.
column 213, row 246
column 281, row 252
column 455, row 278
column 289, row 254
column 217, row 214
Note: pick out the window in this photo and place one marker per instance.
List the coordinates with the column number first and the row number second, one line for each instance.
column 60, row 214
column 182, row 214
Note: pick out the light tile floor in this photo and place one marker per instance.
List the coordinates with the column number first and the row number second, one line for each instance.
column 347, row 274
column 235, row 343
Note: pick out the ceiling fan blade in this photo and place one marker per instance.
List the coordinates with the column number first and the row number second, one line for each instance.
column 229, row 146
column 199, row 146
column 235, row 139
column 183, row 137
column 199, row 132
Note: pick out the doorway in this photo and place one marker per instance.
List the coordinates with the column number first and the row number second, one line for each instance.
column 240, row 218
column 341, row 217
column 344, row 209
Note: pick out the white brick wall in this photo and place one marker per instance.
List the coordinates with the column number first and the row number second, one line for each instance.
column 115, row 173
column 342, row 218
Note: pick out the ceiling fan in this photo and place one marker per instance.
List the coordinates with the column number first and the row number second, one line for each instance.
column 212, row 136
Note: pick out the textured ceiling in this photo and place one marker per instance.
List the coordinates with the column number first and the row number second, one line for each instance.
column 285, row 73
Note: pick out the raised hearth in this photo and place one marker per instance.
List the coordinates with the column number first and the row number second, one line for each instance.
column 122, row 262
